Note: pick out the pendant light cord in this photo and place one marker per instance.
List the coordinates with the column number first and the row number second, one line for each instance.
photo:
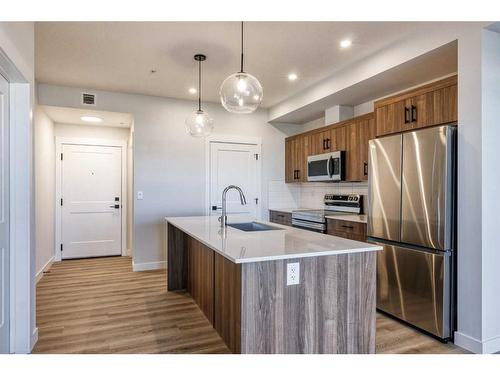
column 199, row 85
column 241, row 71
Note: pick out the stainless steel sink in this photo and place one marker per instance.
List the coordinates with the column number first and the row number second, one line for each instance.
column 253, row 227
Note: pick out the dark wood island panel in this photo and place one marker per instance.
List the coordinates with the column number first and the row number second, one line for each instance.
column 332, row 310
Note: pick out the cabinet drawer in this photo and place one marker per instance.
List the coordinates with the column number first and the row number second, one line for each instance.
column 349, row 236
column 280, row 217
column 346, row 227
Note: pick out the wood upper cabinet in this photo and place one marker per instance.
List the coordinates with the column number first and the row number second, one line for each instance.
column 429, row 105
column 321, row 142
column 360, row 131
column 391, row 117
column 296, row 151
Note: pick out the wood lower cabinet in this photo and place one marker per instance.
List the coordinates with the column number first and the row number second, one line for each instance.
column 429, row 105
column 280, row 217
column 346, row 229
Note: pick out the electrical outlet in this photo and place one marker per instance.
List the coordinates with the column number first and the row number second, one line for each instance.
column 292, row 273
column 140, row 195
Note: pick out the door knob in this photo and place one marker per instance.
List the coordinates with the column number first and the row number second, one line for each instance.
column 115, row 206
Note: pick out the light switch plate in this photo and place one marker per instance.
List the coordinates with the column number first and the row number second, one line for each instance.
column 292, row 273
column 140, row 195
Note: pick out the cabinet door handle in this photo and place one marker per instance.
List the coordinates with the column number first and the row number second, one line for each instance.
column 328, row 143
column 413, row 113
column 294, row 174
column 365, row 168
column 347, row 226
column 298, row 174
column 407, row 115
column 324, row 146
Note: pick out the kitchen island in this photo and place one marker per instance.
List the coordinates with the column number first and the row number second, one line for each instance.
column 284, row 290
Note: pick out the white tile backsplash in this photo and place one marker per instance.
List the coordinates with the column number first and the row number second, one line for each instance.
column 311, row 194
column 281, row 195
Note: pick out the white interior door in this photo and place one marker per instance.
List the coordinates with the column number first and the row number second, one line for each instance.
column 234, row 164
column 91, row 201
column 4, row 218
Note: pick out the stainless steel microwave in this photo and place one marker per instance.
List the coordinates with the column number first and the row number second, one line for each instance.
column 326, row 167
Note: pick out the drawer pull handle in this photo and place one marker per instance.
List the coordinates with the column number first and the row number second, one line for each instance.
column 348, row 226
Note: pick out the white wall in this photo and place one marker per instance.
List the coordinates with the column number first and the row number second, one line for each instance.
column 17, row 40
column 491, row 187
column 44, row 190
column 169, row 165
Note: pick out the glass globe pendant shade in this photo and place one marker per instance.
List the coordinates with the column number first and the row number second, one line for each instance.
column 199, row 124
column 241, row 93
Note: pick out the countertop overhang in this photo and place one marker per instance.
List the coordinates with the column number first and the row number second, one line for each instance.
column 247, row 247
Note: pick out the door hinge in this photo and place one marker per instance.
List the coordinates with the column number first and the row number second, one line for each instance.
column 256, row 200
column 61, row 247
column 256, row 156
column 61, row 156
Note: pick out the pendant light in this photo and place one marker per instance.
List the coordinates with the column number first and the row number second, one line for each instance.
column 199, row 123
column 241, row 92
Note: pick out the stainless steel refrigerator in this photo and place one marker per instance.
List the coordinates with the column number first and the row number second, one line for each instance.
column 412, row 215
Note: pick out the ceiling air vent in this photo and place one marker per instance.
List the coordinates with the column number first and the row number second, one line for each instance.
column 88, row 99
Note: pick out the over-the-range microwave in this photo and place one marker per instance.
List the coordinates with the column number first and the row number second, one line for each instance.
column 326, row 167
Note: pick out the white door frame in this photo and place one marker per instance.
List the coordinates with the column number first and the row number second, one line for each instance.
column 22, row 279
column 60, row 141
column 246, row 140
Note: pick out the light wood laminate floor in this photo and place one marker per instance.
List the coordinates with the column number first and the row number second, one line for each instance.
column 101, row 306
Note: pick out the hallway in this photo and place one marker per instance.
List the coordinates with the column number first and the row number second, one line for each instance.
column 100, row 306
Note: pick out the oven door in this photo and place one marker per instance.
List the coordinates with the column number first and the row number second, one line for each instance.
column 309, row 225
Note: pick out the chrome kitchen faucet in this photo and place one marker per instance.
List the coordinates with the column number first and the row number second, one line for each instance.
column 223, row 218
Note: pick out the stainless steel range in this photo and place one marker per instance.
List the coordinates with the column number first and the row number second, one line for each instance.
column 315, row 220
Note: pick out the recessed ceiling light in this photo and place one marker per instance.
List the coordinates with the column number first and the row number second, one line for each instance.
column 192, row 90
column 292, row 77
column 91, row 119
column 345, row 43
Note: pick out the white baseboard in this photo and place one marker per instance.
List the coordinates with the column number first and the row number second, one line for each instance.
column 34, row 338
column 148, row 266
column 476, row 346
column 45, row 268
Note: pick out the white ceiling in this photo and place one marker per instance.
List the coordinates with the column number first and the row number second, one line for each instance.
column 62, row 115
column 118, row 56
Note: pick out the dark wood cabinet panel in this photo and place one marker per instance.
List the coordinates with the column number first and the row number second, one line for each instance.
column 279, row 217
column 200, row 276
column 227, row 305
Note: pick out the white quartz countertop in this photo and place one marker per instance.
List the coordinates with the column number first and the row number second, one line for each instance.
column 247, row 247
